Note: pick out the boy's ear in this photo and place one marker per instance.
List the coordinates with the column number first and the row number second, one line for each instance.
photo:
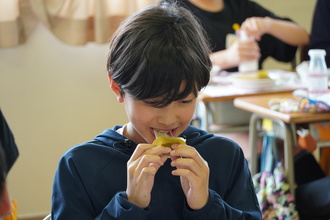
column 116, row 89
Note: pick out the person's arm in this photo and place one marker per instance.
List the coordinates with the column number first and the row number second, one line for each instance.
column 239, row 51
column 286, row 31
column 279, row 36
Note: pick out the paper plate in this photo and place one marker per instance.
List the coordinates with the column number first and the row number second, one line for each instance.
column 251, row 84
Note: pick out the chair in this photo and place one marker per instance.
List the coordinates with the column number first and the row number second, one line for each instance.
column 304, row 53
column 48, row 217
column 302, row 56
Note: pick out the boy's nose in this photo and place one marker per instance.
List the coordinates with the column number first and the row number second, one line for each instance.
column 167, row 117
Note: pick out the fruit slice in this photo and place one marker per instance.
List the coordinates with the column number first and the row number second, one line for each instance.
column 260, row 74
column 163, row 139
column 168, row 141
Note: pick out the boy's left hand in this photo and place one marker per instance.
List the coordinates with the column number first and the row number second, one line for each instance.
column 194, row 174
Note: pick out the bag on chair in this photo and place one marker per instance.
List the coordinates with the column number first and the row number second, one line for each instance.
column 271, row 186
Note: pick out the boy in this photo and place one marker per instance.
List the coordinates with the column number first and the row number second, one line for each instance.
column 158, row 62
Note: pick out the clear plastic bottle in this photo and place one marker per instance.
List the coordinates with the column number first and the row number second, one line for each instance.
column 317, row 74
column 247, row 66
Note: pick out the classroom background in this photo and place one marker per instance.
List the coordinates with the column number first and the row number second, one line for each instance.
column 55, row 95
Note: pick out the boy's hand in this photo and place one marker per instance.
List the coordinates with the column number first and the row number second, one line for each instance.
column 194, row 174
column 141, row 170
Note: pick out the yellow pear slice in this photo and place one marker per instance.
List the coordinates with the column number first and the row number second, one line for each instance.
column 260, row 74
column 168, row 141
column 163, row 139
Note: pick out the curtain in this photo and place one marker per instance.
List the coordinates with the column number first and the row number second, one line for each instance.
column 17, row 22
column 74, row 22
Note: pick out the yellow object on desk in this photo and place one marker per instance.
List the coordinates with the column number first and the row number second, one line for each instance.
column 260, row 74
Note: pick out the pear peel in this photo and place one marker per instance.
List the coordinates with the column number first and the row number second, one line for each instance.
column 162, row 139
column 168, row 141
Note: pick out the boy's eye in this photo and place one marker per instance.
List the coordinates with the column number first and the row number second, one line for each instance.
column 151, row 103
column 186, row 101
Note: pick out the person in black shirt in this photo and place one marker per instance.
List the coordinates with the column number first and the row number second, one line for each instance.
column 8, row 155
column 320, row 35
column 7, row 143
column 276, row 37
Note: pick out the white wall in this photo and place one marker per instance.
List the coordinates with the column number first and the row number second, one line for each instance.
column 53, row 96
column 56, row 95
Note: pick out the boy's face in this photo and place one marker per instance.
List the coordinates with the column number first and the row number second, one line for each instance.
column 144, row 118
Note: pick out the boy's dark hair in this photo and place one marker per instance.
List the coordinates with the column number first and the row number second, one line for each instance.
column 154, row 51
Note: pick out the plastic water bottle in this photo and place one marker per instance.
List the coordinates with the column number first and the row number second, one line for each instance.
column 247, row 66
column 317, row 74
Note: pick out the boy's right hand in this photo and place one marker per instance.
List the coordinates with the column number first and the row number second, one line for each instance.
column 141, row 170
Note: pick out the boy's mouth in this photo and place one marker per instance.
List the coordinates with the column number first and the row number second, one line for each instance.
column 163, row 133
column 166, row 138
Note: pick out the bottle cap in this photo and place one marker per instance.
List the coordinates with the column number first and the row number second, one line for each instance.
column 316, row 52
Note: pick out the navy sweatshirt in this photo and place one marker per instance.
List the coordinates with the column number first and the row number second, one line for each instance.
column 90, row 182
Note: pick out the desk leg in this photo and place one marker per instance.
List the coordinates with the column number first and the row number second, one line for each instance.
column 288, row 142
column 288, row 157
column 294, row 133
column 253, row 136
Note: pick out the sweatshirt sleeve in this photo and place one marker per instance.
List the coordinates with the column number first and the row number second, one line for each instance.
column 70, row 199
column 239, row 200
column 218, row 209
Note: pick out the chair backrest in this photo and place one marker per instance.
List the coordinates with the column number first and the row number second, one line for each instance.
column 304, row 53
column 303, row 56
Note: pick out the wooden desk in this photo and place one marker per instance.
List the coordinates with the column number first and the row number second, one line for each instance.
column 258, row 105
column 216, row 100
column 220, row 92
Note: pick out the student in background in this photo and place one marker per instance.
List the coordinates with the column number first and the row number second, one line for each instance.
column 5, row 204
column 320, row 39
column 158, row 62
column 320, row 34
column 275, row 36
column 7, row 143
column 8, row 155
